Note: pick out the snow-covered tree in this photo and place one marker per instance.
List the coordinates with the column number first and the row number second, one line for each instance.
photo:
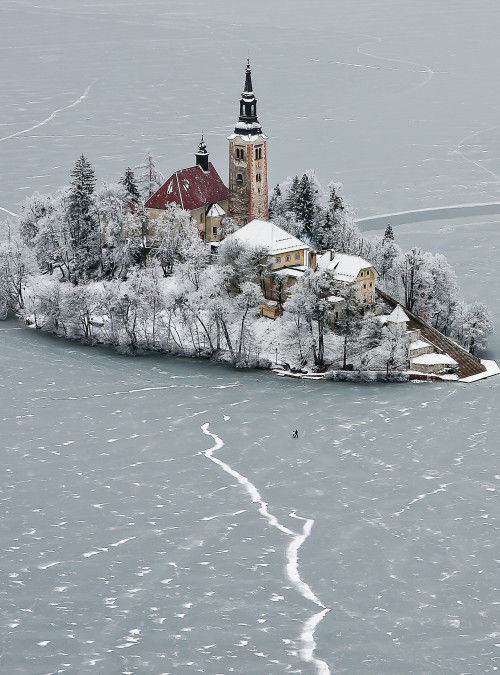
column 130, row 186
column 389, row 234
column 250, row 263
column 149, row 178
column 474, row 324
column 34, row 209
column 81, row 218
column 309, row 298
column 169, row 234
column 250, row 297
column 348, row 324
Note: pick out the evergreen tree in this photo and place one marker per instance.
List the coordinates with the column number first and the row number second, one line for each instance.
column 305, row 206
column 275, row 203
column 129, row 183
column 293, row 192
column 332, row 231
column 388, row 234
column 83, row 224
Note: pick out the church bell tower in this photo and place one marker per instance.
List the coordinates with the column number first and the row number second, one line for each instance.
column 248, row 198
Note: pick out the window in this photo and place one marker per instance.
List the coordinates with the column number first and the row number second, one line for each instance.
column 278, row 259
column 364, row 286
column 258, row 178
column 258, row 152
column 214, row 230
column 240, row 153
column 336, row 315
column 201, row 217
column 361, row 274
column 239, row 178
column 297, row 256
column 288, row 258
column 371, row 284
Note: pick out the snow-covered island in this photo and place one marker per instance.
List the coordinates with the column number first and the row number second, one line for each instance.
column 190, row 266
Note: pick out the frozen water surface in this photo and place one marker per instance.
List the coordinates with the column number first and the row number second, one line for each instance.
column 144, row 529
column 156, row 515
column 395, row 99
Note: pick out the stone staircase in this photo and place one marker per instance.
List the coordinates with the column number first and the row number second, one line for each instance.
column 468, row 364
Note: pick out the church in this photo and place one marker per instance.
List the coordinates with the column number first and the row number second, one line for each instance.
column 200, row 190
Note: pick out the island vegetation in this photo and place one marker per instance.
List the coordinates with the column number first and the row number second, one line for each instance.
column 87, row 263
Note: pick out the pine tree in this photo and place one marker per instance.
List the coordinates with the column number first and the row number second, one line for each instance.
column 293, row 193
column 83, row 224
column 388, row 234
column 274, row 202
column 129, row 183
column 306, row 206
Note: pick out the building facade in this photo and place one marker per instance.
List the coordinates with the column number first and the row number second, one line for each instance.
column 248, row 191
column 198, row 189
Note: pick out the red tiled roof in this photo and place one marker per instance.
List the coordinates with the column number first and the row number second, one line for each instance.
column 190, row 189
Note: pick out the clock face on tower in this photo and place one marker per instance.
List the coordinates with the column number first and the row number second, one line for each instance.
column 248, row 192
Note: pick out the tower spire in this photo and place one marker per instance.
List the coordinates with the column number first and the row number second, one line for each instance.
column 248, row 123
column 202, row 155
column 248, row 161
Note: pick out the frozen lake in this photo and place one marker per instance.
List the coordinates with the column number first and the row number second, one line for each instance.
column 396, row 99
column 157, row 516
column 128, row 549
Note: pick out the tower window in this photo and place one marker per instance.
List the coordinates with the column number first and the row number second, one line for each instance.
column 214, row 231
column 240, row 153
column 258, row 152
column 258, row 177
column 239, row 178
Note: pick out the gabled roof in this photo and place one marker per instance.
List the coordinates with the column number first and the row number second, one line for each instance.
column 398, row 315
column 216, row 211
column 345, row 267
column 265, row 233
column 190, row 189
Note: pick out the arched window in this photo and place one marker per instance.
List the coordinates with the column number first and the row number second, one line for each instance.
column 239, row 178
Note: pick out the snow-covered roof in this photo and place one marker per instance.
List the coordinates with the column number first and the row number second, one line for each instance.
column 398, row 315
column 247, row 137
column 435, row 360
column 265, row 233
column 418, row 344
column 290, row 272
column 335, row 298
column 190, row 189
column 345, row 267
column 215, row 211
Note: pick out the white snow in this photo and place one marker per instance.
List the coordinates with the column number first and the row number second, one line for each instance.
column 216, row 211
column 266, row 233
column 398, row 315
column 491, row 369
column 345, row 267
column 419, row 344
column 434, row 359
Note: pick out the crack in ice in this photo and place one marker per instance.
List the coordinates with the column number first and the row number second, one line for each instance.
column 441, row 488
column 53, row 114
column 292, row 553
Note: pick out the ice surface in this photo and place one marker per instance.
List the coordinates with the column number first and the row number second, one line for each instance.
column 400, row 481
